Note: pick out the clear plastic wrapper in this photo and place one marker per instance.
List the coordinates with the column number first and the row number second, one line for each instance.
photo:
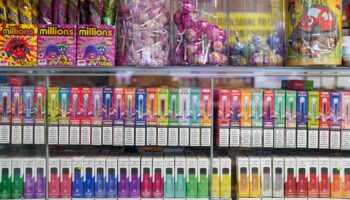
column 46, row 13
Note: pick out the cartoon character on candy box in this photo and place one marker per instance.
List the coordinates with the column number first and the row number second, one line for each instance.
column 51, row 54
column 17, row 49
column 63, row 50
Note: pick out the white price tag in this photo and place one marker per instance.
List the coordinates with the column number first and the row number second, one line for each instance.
column 233, row 137
column 246, row 137
column 28, row 135
column 291, row 138
column 313, row 139
column 301, row 138
column 194, row 137
column 53, row 135
column 173, row 136
column 162, row 136
column 107, row 135
column 74, row 135
column 345, row 140
column 129, row 136
column 324, row 139
column 63, row 135
column 39, row 136
column 96, row 134
column 85, row 135
column 118, row 136
column 184, row 136
column 279, row 138
column 151, row 136
column 4, row 134
column 140, row 136
column 257, row 137
column 16, row 134
column 335, row 139
column 205, row 137
column 268, row 138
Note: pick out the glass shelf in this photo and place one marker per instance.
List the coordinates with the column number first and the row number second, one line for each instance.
column 178, row 71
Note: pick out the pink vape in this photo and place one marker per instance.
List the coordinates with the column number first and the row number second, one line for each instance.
column 146, row 184
column 54, row 184
column 158, row 184
column 66, row 184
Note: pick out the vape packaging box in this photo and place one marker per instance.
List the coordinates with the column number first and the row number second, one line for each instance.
column 280, row 118
column 40, row 177
column 335, row 120
column 192, row 176
column 346, row 177
column 278, row 177
column 302, row 177
column 146, row 176
column 257, row 117
column 206, row 118
column 29, row 178
column 243, row 178
column 39, row 114
column 233, row 110
column 89, row 177
column 162, row 121
column 245, row 116
column 158, row 176
column 112, row 177
column 151, row 116
column 291, row 123
column 195, row 113
column 324, row 170
column 268, row 118
column 169, row 176
column 65, row 177
column 75, row 115
column 290, row 177
column 100, row 177
column 302, row 118
column 313, row 175
column 174, row 104
column 140, row 119
column 28, row 115
column 17, row 178
column 123, row 177
column 17, row 115
column 78, row 177
column 180, row 176
column 225, row 179
column 254, row 177
column 85, row 106
column 54, row 178
column 107, row 119
column 129, row 137
column 223, row 99
column 18, row 44
column 52, row 112
column 313, row 119
column 5, row 111
column 134, row 182
column 6, row 175
column 203, row 177
column 118, row 116
column 56, row 45
column 184, row 116
column 345, row 124
column 324, row 121
column 337, row 177
column 298, row 84
column 63, row 119
column 96, row 45
column 97, row 102
column 266, row 176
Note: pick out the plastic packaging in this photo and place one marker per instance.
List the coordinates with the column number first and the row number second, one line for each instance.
column 143, row 32
column 60, row 10
column 3, row 14
column 109, row 9
column 96, row 12
column 46, row 15
column 72, row 10
column 25, row 12
column 198, row 39
column 12, row 12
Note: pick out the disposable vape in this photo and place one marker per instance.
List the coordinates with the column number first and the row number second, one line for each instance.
column 225, row 179
column 39, row 104
column 130, row 115
column 254, row 177
column 158, row 176
column 180, row 177
column 206, row 116
column 162, row 121
column 134, row 183
column 313, row 182
column 203, row 183
column 40, row 183
column 17, row 181
column 112, row 179
column 324, row 109
column 146, row 183
column 268, row 109
column 5, row 114
column 4, row 104
column 246, row 107
column 140, row 106
column 324, row 183
column 345, row 110
column 89, row 181
column 77, row 182
column 54, row 183
column 266, row 176
column 16, row 105
column 302, row 109
column 278, row 180
column 123, row 182
column 290, row 184
column 65, row 183
column 64, row 105
column 301, row 191
column 192, row 180
column 5, row 179
column 100, row 183
column 86, row 105
column 243, row 177
column 29, row 183
column 335, row 111
column 346, row 184
column 96, row 104
column 277, row 177
column 336, row 184
column 17, row 117
column 267, row 179
column 169, row 183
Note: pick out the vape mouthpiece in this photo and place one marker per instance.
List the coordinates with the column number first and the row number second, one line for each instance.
column 324, row 100
column 302, row 99
column 140, row 97
column 335, row 101
column 268, row 99
column 235, row 98
column 40, row 95
column 4, row 94
column 313, row 100
column 119, row 96
column 151, row 97
column 206, row 98
column 291, row 99
column 224, row 98
column 279, row 99
column 28, row 95
column 173, row 98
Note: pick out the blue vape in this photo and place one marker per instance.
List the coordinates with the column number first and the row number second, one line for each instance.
column 77, row 184
column 89, row 184
column 100, row 184
column 111, row 185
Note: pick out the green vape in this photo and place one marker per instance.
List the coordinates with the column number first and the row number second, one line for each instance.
column 5, row 184
column 17, row 184
column 192, row 184
column 180, row 184
column 169, row 184
column 203, row 184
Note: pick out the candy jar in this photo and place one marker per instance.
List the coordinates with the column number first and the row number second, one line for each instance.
column 143, row 32
column 258, row 35
column 199, row 38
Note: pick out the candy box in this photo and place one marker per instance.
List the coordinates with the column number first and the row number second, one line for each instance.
column 56, row 45
column 96, row 45
column 18, row 45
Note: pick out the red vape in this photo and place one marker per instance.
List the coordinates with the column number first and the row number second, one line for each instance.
column 290, row 184
column 313, row 183
column 302, row 184
column 146, row 184
column 158, row 184
column 66, row 184
column 324, row 184
column 54, row 184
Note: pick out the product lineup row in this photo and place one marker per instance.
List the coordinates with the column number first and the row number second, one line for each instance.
column 107, row 116
column 293, row 177
column 149, row 176
column 283, row 118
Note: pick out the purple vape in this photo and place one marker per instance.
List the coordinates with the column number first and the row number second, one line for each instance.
column 29, row 184
column 134, row 184
column 123, row 185
column 40, row 183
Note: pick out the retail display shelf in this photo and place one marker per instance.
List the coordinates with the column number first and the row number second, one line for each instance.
column 202, row 71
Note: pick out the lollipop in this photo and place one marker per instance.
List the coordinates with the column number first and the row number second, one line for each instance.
column 12, row 12
column 35, row 11
column 25, row 12
column 72, row 12
column 46, row 16
column 60, row 11
column 84, row 12
column 3, row 16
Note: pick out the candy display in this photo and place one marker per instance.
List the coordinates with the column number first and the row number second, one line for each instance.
column 314, row 33
column 253, row 46
column 143, row 32
column 57, row 45
column 198, row 39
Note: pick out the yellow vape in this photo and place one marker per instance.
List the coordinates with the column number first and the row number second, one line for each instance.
column 254, row 185
column 215, row 188
column 225, row 184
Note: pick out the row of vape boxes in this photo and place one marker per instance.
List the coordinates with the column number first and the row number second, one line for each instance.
column 283, row 118
column 293, row 177
column 106, row 116
column 22, row 177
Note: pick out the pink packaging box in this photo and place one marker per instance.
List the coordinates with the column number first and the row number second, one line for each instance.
column 96, row 45
column 57, row 45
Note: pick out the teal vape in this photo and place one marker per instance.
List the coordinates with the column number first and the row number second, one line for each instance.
column 5, row 184
column 203, row 183
column 192, row 183
column 169, row 188
column 180, row 183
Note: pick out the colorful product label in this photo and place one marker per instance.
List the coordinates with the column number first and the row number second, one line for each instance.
column 17, row 104
column 56, row 45
column 152, row 106
column 141, row 104
column 280, row 107
column 96, row 45
column 268, row 110
column 118, row 106
column 305, row 19
column 18, row 45
column 246, row 108
column 86, row 106
column 28, row 105
column 163, row 106
column 291, row 109
column 130, row 106
column 335, row 110
column 234, row 103
column 107, row 107
column 257, row 108
column 302, row 109
column 75, row 106
column 325, row 110
column 314, row 110
column 52, row 105
column 223, row 97
column 184, row 110
column 195, row 106
column 40, row 105
column 64, row 106
column 97, row 98
column 206, row 107
column 345, row 110
column 174, row 103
